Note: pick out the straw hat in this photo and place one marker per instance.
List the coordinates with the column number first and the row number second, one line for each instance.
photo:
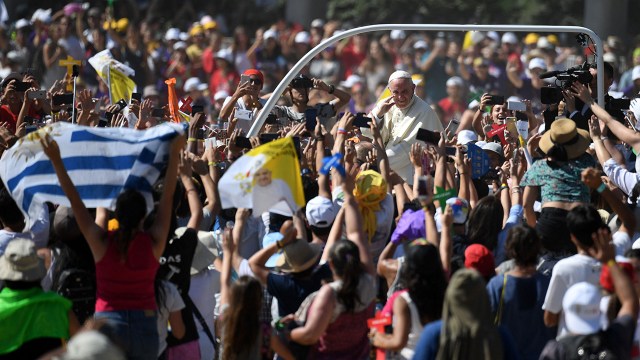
column 298, row 256
column 565, row 135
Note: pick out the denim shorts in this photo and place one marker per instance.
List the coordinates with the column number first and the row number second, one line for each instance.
column 136, row 331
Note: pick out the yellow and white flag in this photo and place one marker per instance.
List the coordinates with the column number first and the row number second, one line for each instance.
column 266, row 178
column 115, row 74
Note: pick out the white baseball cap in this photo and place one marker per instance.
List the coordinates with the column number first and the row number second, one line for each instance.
column 302, row 37
column 220, row 95
column 581, row 307
column 397, row 34
column 194, row 83
column 173, row 34
column 351, row 80
column 455, row 81
column 466, row 136
column 509, row 38
column 537, row 63
column 321, row 212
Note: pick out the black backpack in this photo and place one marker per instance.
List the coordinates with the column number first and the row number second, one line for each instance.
column 587, row 347
column 79, row 286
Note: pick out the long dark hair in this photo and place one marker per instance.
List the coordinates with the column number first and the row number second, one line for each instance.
column 422, row 275
column 131, row 208
column 345, row 258
column 242, row 319
column 485, row 222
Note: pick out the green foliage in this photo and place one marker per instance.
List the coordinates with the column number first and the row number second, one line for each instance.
column 360, row 12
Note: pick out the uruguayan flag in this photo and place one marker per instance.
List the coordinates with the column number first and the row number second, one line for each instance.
column 100, row 161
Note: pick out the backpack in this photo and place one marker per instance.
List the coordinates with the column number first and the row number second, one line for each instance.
column 79, row 286
column 587, row 347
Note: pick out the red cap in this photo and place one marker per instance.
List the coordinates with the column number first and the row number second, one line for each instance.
column 606, row 281
column 478, row 257
column 255, row 72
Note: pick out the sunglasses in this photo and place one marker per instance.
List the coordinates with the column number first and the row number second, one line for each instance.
column 255, row 81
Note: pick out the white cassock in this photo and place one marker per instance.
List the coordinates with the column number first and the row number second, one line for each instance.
column 399, row 130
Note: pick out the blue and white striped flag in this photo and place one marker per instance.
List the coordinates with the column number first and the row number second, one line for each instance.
column 100, row 161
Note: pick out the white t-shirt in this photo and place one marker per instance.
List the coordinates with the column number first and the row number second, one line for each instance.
column 172, row 302
column 203, row 286
column 242, row 124
column 567, row 272
column 622, row 242
column 38, row 233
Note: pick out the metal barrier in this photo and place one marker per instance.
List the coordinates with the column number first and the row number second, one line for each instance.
column 257, row 124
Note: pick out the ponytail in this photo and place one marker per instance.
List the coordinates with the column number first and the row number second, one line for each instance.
column 345, row 257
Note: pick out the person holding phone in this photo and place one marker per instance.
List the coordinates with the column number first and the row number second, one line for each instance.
column 399, row 118
column 299, row 90
column 245, row 98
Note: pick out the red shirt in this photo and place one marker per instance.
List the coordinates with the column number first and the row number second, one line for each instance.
column 127, row 285
column 451, row 110
column 219, row 82
column 9, row 117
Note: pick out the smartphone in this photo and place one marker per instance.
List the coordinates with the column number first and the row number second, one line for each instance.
column 108, row 116
column 31, row 128
column 428, row 136
column 21, row 85
column 102, row 122
column 450, row 150
column 75, row 71
column 495, row 100
column 197, row 109
column 136, row 96
column 63, row 99
column 361, row 120
column 452, row 127
column 157, row 112
column 244, row 79
column 40, row 94
column 243, row 142
column 423, row 190
column 268, row 137
column 121, row 104
column 310, row 118
column 511, row 125
column 516, row 106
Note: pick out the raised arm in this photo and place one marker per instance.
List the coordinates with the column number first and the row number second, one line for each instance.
column 354, row 222
column 94, row 234
column 160, row 228
column 193, row 197
column 228, row 247
column 258, row 260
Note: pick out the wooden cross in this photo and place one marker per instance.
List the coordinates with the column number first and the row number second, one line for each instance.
column 69, row 62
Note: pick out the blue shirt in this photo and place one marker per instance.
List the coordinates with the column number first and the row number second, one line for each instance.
column 522, row 304
column 291, row 291
column 429, row 343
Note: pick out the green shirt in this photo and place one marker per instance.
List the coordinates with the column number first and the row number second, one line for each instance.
column 31, row 314
column 561, row 183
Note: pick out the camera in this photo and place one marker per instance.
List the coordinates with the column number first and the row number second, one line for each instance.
column 564, row 78
column 301, row 82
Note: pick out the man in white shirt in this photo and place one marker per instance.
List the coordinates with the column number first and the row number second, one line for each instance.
column 399, row 117
column 583, row 221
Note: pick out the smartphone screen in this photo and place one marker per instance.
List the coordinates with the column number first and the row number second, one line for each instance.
column 310, row 118
column 136, row 96
column 496, row 100
column 197, row 109
column 428, row 136
column 157, row 112
column 21, row 85
column 361, row 120
column 243, row 142
column 423, row 189
column 62, row 99
column 268, row 137
column 244, row 79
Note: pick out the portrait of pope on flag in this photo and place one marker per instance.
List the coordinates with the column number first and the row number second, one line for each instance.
column 263, row 178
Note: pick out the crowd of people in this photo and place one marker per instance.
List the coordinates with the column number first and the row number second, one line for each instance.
column 467, row 214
